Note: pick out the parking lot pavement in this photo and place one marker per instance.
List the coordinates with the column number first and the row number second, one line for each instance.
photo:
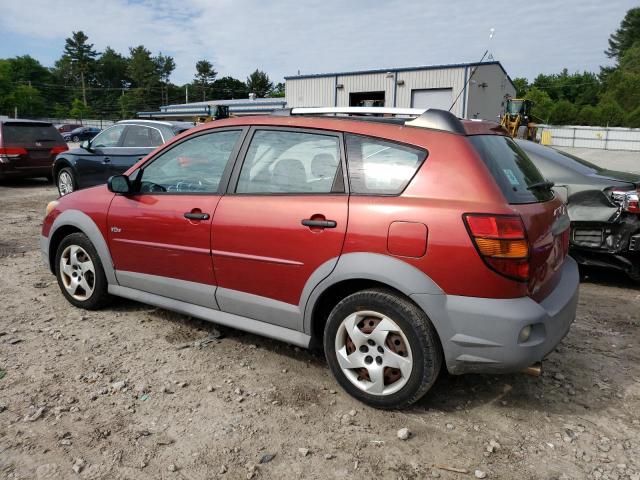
column 133, row 392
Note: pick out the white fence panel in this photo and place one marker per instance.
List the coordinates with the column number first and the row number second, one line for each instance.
column 606, row 138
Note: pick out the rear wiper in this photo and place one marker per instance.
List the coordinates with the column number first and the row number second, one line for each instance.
column 544, row 185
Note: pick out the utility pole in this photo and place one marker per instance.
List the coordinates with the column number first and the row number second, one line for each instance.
column 186, row 93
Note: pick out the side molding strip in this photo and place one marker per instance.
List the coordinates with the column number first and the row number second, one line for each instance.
column 216, row 316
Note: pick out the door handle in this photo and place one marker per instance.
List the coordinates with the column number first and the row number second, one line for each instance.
column 196, row 216
column 106, row 160
column 307, row 222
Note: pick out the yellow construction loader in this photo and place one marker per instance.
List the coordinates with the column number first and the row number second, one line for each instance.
column 517, row 114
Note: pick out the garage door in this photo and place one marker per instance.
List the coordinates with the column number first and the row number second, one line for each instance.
column 432, row 98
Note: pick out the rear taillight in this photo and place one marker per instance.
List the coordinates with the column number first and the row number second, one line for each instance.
column 628, row 200
column 502, row 243
column 7, row 153
column 60, row 149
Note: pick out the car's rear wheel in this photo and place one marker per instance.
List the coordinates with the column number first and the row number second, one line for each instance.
column 382, row 348
column 80, row 273
column 66, row 181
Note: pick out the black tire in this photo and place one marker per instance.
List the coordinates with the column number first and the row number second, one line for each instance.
column 416, row 327
column 74, row 184
column 99, row 297
column 75, row 138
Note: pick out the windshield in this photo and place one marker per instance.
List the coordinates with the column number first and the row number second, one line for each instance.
column 512, row 170
column 30, row 133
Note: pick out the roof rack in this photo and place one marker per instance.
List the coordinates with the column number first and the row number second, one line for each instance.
column 432, row 118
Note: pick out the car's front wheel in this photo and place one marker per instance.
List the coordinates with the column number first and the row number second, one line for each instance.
column 80, row 273
column 75, row 138
column 65, row 181
column 382, row 348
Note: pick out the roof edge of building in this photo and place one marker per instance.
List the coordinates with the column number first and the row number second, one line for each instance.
column 400, row 69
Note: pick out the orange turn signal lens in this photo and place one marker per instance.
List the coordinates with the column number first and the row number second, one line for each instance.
column 493, row 247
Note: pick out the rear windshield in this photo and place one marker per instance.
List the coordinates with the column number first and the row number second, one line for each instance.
column 28, row 133
column 512, row 170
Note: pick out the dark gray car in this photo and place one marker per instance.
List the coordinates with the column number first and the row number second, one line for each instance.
column 602, row 205
column 111, row 152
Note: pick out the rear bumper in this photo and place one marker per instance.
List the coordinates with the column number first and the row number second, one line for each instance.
column 481, row 334
column 9, row 170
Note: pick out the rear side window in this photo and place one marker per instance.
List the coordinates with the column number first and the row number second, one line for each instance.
column 378, row 167
column 29, row 133
column 141, row 137
column 512, row 170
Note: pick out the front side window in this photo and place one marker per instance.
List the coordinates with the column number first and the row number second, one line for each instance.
column 379, row 167
column 196, row 165
column 137, row 136
column 109, row 138
column 290, row 162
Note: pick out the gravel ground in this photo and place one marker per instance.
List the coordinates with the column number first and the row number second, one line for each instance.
column 138, row 392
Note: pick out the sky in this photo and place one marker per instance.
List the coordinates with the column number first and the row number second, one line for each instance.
column 285, row 37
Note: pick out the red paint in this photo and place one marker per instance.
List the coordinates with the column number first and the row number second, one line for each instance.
column 156, row 239
column 259, row 246
column 407, row 239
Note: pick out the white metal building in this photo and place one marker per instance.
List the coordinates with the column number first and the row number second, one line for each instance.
column 482, row 88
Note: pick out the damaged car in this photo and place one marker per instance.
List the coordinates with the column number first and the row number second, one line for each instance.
column 602, row 205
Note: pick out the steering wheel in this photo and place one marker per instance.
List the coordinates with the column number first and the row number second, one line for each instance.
column 150, row 187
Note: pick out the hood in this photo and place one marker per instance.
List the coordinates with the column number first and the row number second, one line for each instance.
column 620, row 179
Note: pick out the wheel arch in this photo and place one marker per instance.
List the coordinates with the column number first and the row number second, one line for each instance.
column 360, row 271
column 73, row 221
column 60, row 164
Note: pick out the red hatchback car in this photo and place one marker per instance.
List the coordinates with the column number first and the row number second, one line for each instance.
column 399, row 244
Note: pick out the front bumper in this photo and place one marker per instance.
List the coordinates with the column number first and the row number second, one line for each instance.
column 481, row 334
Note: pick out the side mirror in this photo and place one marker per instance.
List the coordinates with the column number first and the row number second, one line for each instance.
column 86, row 145
column 119, row 184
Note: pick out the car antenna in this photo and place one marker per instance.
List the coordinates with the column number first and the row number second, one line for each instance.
column 468, row 80
column 491, row 32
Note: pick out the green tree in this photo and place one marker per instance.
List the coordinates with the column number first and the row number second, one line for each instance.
column 111, row 69
column 588, row 115
column 610, row 114
column 259, row 83
column 626, row 35
column 142, row 68
column 522, row 86
column 542, row 104
column 633, row 119
column 79, row 110
column 27, row 100
column 563, row 112
column 277, row 91
column 165, row 66
column 204, row 78
column 228, row 87
column 82, row 56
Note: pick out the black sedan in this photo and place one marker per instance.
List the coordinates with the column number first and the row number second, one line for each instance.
column 602, row 205
column 111, row 152
column 80, row 134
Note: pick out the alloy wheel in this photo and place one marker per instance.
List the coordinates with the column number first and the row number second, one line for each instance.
column 65, row 183
column 373, row 353
column 77, row 272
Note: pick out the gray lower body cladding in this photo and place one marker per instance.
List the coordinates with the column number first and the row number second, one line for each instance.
column 481, row 334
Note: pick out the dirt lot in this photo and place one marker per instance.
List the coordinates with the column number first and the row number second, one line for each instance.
column 193, row 410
